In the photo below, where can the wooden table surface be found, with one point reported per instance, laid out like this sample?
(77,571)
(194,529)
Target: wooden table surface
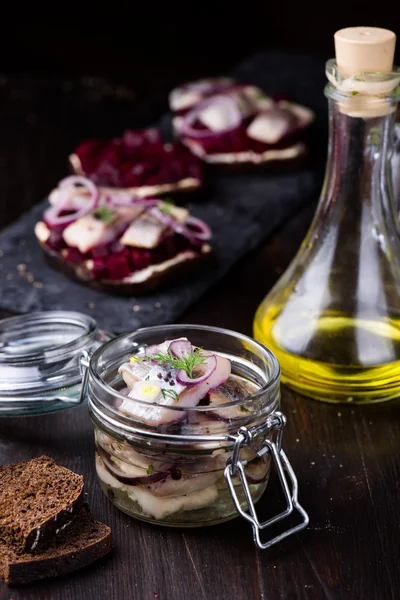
(346,458)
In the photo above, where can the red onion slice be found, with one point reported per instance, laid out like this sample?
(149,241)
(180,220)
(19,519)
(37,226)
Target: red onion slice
(140,479)
(192,395)
(257,470)
(166,219)
(207,369)
(52,216)
(129,200)
(180,348)
(202,230)
(209,85)
(78,180)
(153,349)
(226,102)
(189,94)
(201,233)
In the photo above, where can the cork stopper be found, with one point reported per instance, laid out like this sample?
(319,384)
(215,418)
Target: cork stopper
(364,49)
(364,63)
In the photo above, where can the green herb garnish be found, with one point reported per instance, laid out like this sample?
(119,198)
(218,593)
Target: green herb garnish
(150,469)
(103,213)
(244,409)
(169,394)
(166,206)
(354,93)
(187,363)
(119,445)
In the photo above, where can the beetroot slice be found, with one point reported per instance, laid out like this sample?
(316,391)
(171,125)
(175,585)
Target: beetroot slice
(140,259)
(56,240)
(100,270)
(139,158)
(117,262)
(73,255)
(118,266)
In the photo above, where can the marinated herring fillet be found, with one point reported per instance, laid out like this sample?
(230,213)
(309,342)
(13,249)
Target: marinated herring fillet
(169,385)
(155,506)
(37,499)
(187,95)
(83,542)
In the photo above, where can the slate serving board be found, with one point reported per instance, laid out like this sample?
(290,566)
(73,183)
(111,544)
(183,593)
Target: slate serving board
(241,210)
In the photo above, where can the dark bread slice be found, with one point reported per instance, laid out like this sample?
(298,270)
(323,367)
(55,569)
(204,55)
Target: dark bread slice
(273,167)
(83,542)
(253,162)
(37,499)
(190,264)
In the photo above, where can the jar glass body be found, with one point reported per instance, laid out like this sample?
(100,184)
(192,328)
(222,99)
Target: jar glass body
(174,474)
(40,360)
(333,318)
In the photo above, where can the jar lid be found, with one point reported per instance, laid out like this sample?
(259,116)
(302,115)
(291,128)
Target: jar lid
(40,360)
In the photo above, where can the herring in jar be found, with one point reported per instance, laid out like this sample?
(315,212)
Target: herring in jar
(182,415)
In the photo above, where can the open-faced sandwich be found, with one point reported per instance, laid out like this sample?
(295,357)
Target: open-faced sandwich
(119,243)
(138,163)
(238,125)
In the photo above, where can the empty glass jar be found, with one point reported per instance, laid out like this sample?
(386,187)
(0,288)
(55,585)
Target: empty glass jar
(40,360)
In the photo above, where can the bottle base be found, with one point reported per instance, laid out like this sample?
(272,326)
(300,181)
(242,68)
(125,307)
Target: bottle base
(331,370)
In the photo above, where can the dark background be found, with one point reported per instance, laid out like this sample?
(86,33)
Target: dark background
(76,70)
(146,41)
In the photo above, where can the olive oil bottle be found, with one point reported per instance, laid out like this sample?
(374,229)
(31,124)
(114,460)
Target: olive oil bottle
(333,318)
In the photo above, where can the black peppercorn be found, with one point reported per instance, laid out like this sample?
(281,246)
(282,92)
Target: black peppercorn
(176,474)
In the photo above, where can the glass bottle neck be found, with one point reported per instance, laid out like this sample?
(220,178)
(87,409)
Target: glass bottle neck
(358,169)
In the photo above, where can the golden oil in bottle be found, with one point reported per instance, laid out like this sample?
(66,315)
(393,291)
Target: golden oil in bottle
(337,358)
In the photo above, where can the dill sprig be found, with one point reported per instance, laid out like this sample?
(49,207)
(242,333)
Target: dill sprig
(104,213)
(169,394)
(166,206)
(187,363)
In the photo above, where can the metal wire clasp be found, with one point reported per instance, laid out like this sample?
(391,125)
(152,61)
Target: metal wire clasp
(84,369)
(236,467)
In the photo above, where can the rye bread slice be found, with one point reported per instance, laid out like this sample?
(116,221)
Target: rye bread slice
(37,499)
(82,542)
